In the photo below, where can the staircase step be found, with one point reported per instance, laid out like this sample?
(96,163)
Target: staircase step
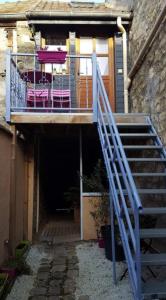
(153,210)
(144,159)
(155,259)
(147,191)
(138,135)
(148,174)
(134,125)
(141,147)
(136,118)
(153,233)
(145,174)
(154,288)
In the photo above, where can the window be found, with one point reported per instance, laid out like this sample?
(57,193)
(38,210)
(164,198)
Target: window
(56,68)
(88,45)
(103,65)
(85,66)
(101,46)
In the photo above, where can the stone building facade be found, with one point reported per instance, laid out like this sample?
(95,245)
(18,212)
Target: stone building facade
(147,90)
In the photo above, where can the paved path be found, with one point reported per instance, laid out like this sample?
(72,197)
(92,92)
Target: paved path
(60,231)
(56,277)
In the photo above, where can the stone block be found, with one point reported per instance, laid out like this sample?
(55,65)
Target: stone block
(43,276)
(57,275)
(54,291)
(58,268)
(69,286)
(55,282)
(38,291)
(72,274)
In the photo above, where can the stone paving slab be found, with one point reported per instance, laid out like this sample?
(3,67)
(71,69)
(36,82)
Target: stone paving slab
(56,278)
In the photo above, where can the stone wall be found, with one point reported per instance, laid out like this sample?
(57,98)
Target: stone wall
(147,93)
(3,47)
(24,38)
(145,13)
(18,39)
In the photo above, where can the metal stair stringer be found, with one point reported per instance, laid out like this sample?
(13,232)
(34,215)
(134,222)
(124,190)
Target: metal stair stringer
(116,162)
(146,157)
(129,149)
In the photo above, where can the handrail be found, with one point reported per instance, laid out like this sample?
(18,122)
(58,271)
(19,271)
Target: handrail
(115,160)
(34,54)
(28,73)
(120,146)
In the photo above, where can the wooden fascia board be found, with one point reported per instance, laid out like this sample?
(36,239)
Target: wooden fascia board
(75,22)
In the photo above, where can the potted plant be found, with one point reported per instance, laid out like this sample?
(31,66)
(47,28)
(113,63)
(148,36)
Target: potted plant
(51,56)
(72,197)
(3,283)
(97,182)
(11,271)
(21,248)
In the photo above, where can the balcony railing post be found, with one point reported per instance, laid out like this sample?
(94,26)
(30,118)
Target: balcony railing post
(94,78)
(8,84)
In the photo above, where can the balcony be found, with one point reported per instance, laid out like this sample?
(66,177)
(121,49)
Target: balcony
(49,90)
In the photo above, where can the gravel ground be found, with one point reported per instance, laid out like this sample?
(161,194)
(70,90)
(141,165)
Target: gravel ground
(24,283)
(21,288)
(95,275)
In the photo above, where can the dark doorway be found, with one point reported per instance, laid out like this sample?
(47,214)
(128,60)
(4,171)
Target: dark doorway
(59,169)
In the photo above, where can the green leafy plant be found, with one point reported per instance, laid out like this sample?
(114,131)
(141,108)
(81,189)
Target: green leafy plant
(19,264)
(97,182)
(72,197)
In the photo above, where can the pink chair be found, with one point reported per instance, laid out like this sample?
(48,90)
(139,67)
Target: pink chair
(37,98)
(60,98)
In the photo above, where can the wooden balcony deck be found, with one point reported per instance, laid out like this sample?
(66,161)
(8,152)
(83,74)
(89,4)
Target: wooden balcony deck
(52,118)
(71,118)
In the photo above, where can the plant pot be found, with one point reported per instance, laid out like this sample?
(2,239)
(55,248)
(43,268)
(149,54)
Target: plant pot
(12,272)
(77,215)
(119,253)
(57,57)
(100,239)
(101,242)
(3,283)
(21,249)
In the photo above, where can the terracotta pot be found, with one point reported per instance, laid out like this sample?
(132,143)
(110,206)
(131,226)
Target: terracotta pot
(77,215)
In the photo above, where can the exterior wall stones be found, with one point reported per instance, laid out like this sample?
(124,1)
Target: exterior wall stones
(18,40)
(147,93)
(145,14)
(5,159)
(24,35)
(3,47)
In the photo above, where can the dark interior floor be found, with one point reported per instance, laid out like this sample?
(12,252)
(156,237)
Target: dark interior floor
(60,228)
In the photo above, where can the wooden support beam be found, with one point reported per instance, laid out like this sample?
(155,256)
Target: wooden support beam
(12,221)
(25,211)
(30,192)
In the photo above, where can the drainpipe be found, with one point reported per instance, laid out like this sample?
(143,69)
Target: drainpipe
(125,77)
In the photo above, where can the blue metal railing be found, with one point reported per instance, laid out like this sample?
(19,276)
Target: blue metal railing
(27,80)
(120,179)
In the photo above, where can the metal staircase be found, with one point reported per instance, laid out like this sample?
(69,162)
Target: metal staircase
(135,160)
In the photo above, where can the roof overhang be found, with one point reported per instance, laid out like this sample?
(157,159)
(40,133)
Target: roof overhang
(12,17)
(86,15)
(69,17)
(75,22)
